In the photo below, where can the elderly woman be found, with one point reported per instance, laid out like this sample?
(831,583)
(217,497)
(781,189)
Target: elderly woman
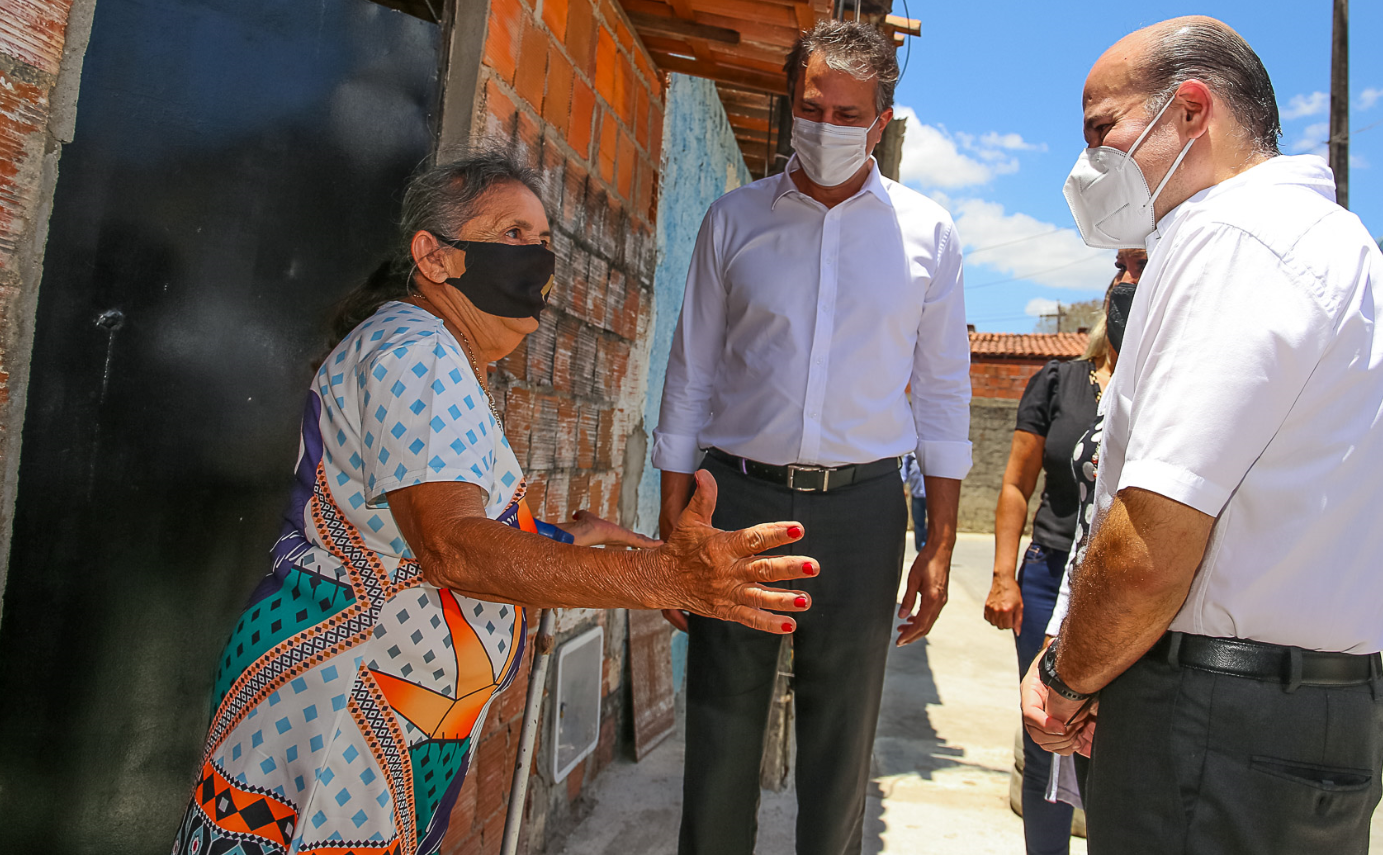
(347,703)
(1057,408)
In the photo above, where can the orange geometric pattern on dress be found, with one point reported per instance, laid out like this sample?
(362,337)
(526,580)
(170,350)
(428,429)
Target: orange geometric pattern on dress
(442,716)
(392,758)
(232,808)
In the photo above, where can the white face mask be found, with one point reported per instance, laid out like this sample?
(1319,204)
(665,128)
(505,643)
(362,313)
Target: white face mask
(830,154)
(1109,196)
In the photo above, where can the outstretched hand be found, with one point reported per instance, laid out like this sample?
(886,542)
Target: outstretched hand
(720,574)
(587,529)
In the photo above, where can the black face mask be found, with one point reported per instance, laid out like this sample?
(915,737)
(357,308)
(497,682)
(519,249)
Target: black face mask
(1116,317)
(509,280)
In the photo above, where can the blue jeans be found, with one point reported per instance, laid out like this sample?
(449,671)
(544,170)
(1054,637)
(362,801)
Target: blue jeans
(919,521)
(1046,826)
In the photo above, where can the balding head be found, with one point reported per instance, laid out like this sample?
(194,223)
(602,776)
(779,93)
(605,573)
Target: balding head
(1157,59)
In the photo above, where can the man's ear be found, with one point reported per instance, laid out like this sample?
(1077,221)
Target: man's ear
(1194,108)
(424,248)
(879,124)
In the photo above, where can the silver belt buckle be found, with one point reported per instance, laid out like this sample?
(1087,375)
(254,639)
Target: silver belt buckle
(793,469)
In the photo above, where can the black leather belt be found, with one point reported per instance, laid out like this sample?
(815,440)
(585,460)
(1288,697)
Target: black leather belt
(808,479)
(1257,660)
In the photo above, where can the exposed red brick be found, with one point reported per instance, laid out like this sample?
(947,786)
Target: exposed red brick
(557,99)
(655,133)
(540,345)
(579,131)
(624,90)
(555,16)
(628,161)
(532,70)
(605,439)
(607,60)
(492,771)
(579,491)
(561,357)
(640,123)
(588,424)
(581,29)
(542,452)
(558,490)
(647,73)
(507,19)
(518,421)
(609,147)
(574,781)
(498,103)
(34,31)
(566,433)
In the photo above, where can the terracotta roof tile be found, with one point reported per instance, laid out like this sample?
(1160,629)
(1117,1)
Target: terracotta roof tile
(1044,345)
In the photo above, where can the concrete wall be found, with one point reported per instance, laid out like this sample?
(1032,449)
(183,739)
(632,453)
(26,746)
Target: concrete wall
(568,83)
(41,47)
(701,162)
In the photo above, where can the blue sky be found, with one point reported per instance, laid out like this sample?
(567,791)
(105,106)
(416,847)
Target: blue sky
(992,96)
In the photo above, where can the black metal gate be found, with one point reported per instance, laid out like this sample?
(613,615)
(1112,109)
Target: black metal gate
(235,170)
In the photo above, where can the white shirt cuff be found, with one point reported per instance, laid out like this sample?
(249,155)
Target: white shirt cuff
(1176,483)
(944,459)
(674,453)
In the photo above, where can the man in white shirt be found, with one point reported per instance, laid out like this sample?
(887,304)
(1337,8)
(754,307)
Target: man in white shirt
(814,298)
(1229,610)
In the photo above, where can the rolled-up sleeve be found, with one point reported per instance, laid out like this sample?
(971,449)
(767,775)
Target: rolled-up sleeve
(941,370)
(696,348)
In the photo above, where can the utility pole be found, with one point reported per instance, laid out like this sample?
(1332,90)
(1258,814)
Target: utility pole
(1339,102)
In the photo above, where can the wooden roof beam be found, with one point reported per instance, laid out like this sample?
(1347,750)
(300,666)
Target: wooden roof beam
(659,25)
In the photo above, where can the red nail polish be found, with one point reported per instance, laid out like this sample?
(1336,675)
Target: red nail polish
(800,602)
(809,569)
(787,627)
(794,531)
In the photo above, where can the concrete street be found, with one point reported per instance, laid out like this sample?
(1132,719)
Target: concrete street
(941,758)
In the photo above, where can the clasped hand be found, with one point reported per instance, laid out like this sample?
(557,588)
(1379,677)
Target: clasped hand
(1055,723)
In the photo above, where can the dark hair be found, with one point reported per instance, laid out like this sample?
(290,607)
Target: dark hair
(1208,51)
(440,199)
(858,49)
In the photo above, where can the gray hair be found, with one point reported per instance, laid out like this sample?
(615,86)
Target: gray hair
(1206,50)
(858,49)
(441,199)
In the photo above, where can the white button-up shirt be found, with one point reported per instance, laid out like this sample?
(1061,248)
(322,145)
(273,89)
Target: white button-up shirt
(1250,387)
(802,326)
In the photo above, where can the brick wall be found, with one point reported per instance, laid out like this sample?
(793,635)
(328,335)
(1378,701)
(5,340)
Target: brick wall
(1001,377)
(41,46)
(569,84)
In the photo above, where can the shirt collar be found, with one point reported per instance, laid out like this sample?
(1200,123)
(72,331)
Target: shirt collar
(873,184)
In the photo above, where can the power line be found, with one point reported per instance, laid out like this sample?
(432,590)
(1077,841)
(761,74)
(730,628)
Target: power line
(1030,275)
(1051,231)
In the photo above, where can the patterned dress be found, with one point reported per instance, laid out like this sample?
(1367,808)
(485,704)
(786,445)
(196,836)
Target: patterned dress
(348,700)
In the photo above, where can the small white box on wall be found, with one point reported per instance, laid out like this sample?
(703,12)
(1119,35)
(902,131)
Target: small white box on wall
(576,704)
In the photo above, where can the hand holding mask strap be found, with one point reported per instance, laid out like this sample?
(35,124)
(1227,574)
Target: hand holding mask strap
(508,280)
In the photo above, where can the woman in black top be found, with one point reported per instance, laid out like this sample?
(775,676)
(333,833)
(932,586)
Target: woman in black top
(1058,407)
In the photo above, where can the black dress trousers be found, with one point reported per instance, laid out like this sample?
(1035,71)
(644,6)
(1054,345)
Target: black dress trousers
(839,652)
(1192,762)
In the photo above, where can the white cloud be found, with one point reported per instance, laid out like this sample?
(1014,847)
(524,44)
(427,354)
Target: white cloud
(936,157)
(1301,106)
(1312,139)
(1020,246)
(1369,97)
(1039,306)
(1013,142)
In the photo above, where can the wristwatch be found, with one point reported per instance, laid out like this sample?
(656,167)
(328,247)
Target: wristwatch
(1046,672)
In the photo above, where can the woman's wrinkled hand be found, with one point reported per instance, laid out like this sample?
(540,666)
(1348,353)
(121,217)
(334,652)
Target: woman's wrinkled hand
(587,529)
(1004,605)
(721,574)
